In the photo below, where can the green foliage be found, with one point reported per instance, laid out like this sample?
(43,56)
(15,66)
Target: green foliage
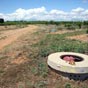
(58,43)
(40,69)
(87,31)
(14,22)
(34,70)
(71,25)
(1,20)
(40,84)
(1,71)
(68,85)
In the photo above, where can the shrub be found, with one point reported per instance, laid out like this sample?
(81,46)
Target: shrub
(87,31)
(70,27)
(58,43)
(68,85)
(40,84)
(42,69)
(1,20)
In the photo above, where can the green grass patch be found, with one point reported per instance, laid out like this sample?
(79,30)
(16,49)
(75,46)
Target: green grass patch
(58,43)
(40,69)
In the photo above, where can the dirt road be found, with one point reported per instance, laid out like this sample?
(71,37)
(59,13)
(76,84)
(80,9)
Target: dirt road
(12,35)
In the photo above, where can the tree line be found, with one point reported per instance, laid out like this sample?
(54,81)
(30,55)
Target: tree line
(68,24)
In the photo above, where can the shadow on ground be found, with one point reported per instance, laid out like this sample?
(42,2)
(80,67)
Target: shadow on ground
(76,77)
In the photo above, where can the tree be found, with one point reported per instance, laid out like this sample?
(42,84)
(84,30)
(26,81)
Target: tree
(87,31)
(1,20)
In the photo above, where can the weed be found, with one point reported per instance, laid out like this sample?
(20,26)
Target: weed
(42,69)
(68,85)
(1,71)
(40,84)
(21,85)
(57,43)
(34,70)
(87,31)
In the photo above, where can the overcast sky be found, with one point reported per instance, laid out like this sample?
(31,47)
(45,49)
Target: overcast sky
(44,10)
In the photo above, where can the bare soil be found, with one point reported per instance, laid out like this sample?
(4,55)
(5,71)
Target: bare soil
(83,37)
(61,32)
(12,35)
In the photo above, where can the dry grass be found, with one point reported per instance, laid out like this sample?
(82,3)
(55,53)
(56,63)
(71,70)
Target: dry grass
(83,37)
(21,66)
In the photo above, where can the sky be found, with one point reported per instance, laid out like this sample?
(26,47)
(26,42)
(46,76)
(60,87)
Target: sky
(59,10)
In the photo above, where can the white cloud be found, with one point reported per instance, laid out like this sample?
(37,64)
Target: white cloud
(58,12)
(1,15)
(42,14)
(77,10)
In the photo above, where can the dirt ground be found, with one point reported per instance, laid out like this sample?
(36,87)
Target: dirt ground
(83,37)
(19,62)
(62,32)
(7,37)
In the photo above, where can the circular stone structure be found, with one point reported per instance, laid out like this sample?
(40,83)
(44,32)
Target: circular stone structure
(57,62)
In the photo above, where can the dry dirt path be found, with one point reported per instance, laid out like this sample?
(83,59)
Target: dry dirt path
(12,35)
